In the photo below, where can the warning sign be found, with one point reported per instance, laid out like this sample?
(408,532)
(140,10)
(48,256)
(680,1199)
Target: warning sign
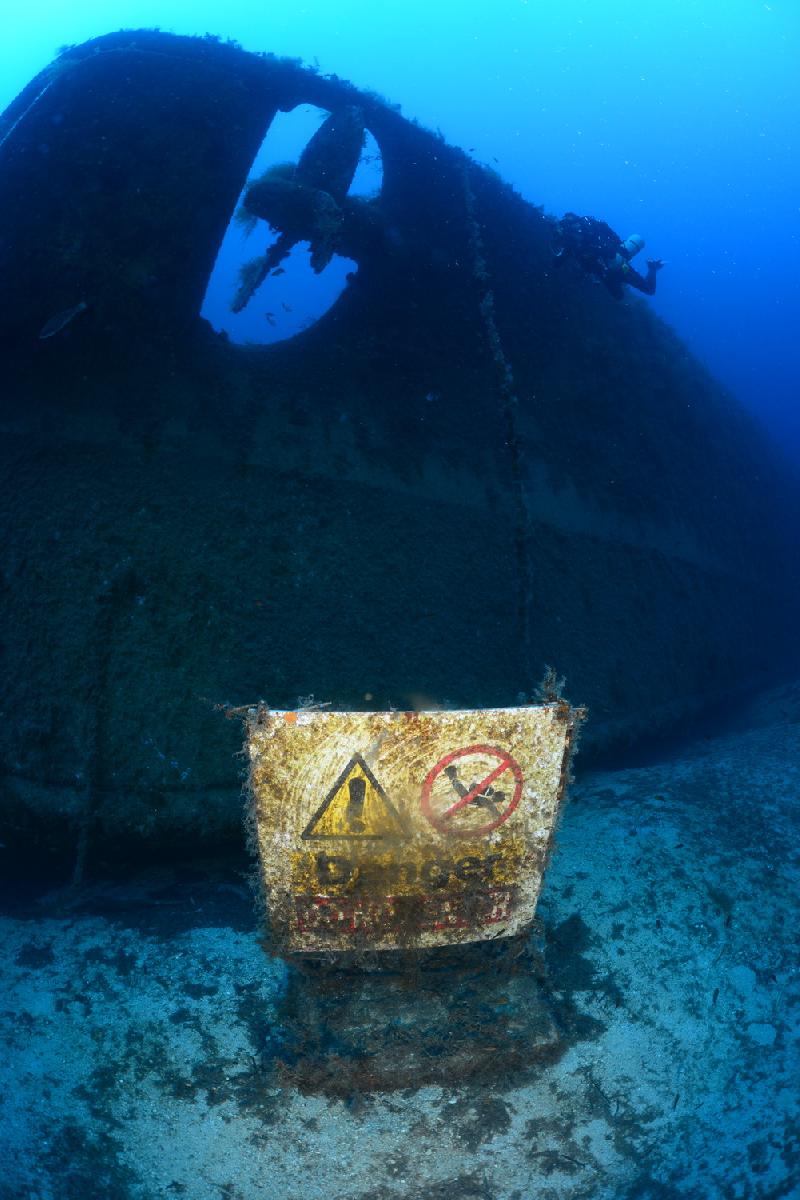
(387,830)
(460,809)
(355,807)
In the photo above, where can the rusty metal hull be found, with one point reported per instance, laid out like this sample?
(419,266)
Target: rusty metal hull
(470,467)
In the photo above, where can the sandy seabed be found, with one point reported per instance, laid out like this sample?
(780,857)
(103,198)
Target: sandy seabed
(644,1046)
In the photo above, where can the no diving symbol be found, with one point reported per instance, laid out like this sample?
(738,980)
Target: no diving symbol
(469,785)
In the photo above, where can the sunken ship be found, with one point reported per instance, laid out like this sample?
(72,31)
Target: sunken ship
(470,468)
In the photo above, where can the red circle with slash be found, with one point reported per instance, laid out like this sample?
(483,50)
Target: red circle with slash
(476,792)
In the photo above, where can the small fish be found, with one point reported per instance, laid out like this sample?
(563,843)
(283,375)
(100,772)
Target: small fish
(57,323)
(286,307)
(280,271)
(271,318)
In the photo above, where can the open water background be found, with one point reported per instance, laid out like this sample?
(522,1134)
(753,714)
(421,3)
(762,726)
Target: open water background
(677,119)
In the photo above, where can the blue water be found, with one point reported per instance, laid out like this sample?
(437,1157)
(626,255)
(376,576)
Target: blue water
(150,1047)
(677,119)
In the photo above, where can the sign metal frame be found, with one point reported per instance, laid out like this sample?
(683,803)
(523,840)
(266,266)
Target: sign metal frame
(405,830)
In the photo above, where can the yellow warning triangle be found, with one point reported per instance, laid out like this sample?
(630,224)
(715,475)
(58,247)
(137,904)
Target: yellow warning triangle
(356,807)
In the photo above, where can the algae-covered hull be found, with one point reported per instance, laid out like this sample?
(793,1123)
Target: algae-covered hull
(469,468)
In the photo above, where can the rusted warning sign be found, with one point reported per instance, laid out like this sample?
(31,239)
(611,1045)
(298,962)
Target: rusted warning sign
(388,830)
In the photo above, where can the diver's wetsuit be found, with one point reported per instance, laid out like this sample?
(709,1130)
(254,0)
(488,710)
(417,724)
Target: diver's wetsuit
(618,274)
(600,252)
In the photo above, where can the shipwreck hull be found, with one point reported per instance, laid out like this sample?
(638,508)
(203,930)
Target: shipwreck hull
(470,467)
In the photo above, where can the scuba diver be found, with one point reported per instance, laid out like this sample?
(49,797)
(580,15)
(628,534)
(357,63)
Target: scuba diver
(601,253)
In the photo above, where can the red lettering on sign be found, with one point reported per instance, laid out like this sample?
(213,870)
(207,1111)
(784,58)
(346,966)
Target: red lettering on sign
(431,914)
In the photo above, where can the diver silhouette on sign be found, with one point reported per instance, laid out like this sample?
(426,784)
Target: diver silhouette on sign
(491,798)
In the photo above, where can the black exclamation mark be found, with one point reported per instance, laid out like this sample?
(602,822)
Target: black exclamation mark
(355,806)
